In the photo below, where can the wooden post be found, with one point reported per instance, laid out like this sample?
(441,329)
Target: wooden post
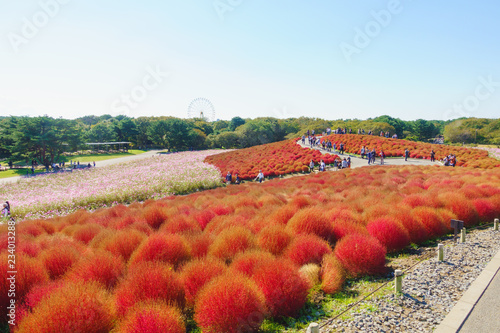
(462,235)
(495,225)
(440,252)
(398,281)
(313,328)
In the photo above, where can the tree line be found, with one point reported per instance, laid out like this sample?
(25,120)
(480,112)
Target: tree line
(45,138)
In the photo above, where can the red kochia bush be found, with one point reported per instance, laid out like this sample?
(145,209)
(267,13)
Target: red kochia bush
(333,274)
(230,303)
(197,273)
(430,220)
(230,242)
(247,262)
(155,215)
(152,317)
(485,209)
(124,242)
(305,249)
(283,286)
(99,266)
(311,221)
(149,281)
(87,232)
(41,291)
(360,255)
(80,307)
(172,249)
(274,239)
(30,272)
(389,233)
(58,260)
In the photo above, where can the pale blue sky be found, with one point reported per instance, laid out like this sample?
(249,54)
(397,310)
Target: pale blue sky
(431,60)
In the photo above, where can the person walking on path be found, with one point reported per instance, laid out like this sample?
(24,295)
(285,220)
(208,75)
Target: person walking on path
(363,152)
(237,181)
(433,156)
(260,176)
(407,154)
(369,157)
(228,178)
(374,155)
(311,166)
(382,157)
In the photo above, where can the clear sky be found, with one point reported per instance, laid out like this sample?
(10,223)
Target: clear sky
(330,59)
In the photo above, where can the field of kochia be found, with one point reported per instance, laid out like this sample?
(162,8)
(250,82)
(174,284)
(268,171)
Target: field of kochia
(226,259)
(467,157)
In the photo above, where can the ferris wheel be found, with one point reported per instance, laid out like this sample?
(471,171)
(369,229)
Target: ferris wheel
(201,108)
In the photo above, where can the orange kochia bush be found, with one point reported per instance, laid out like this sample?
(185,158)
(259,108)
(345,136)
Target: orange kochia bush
(180,253)
(274,159)
(468,157)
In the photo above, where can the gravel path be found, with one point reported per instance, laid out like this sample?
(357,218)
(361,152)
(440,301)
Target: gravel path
(430,290)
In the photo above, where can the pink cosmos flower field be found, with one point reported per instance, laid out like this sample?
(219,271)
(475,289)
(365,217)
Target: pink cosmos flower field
(139,180)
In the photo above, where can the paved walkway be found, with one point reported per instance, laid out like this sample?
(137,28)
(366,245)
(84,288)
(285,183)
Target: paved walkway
(478,310)
(98,164)
(357,162)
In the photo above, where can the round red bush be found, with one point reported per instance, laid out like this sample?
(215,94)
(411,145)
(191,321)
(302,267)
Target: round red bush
(247,262)
(389,233)
(99,266)
(274,239)
(152,317)
(197,273)
(169,248)
(361,255)
(230,303)
(284,288)
(149,281)
(305,249)
(311,220)
(230,242)
(80,307)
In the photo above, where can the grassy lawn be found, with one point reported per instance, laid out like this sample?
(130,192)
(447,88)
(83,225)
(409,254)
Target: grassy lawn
(76,158)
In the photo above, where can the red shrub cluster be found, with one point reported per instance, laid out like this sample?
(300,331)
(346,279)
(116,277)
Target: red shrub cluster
(149,281)
(361,255)
(172,249)
(389,233)
(230,303)
(152,317)
(231,253)
(80,307)
(283,286)
(305,249)
(197,273)
(274,159)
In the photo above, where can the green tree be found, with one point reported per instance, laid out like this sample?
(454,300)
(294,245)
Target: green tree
(235,123)
(103,131)
(43,138)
